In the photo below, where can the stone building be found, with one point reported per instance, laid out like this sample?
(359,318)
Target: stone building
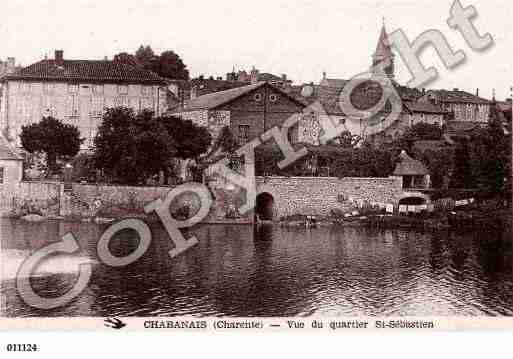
(249,110)
(255,76)
(413,173)
(76,92)
(11,165)
(459,105)
(324,100)
(8,67)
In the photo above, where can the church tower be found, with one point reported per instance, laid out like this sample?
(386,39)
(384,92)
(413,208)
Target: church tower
(384,53)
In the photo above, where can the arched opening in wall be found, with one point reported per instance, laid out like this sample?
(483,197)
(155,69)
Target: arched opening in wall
(264,206)
(412,201)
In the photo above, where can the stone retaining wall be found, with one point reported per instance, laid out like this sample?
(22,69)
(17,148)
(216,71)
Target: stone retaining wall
(319,195)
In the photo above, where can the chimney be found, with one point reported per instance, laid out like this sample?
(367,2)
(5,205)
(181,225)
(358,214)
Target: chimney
(254,76)
(455,89)
(10,65)
(324,75)
(106,58)
(59,57)
(284,77)
(423,91)
(219,78)
(194,92)
(477,91)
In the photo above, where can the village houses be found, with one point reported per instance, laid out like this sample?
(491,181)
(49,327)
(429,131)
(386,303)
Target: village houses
(76,92)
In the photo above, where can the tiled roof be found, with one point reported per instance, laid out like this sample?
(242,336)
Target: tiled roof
(459,127)
(424,107)
(6,152)
(407,166)
(436,145)
(407,93)
(216,99)
(338,83)
(86,70)
(265,76)
(458,96)
(206,86)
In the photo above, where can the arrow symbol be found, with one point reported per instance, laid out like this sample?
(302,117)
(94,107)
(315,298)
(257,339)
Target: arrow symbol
(114,323)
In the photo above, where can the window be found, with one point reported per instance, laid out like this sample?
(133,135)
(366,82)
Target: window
(243,134)
(146,90)
(121,101)
(48,87)
(96,106)
(408,181)
(273,97)
(123,89)
(72,88)
(293,134)
(97,89)
(1,175)
(146,104)
(73,106)
(258,97)
(25,87)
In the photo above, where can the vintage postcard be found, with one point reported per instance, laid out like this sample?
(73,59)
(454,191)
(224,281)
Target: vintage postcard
(279,166)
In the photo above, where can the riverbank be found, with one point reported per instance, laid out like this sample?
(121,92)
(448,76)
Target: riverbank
(465,219)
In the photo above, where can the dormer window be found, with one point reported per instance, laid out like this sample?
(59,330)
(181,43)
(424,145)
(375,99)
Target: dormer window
(258,97)
(273,97)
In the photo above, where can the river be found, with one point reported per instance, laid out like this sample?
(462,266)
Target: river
(236,270)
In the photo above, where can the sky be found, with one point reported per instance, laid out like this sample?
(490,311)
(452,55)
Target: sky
(299,38)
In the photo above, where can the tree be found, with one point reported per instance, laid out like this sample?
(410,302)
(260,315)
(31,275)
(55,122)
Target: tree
(490,155)
(131,148)
(126,58)
(462,171)
(145,57)
(439,163)
(418,132)
(189,139)
(346,140)
(57,140)
(170,65)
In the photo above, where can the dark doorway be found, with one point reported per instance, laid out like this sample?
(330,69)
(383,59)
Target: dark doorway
(264,206)
(412,201)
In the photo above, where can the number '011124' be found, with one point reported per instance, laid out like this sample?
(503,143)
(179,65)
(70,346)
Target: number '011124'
(22,347)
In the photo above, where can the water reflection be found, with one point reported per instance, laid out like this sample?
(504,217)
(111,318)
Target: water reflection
(242,270)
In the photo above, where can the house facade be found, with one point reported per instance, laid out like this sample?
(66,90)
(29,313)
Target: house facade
(11,165)
(459,105)
(76,92)
(325,100)
(248,111)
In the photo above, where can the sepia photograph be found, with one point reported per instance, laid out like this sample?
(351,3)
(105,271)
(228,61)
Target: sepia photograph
(225,165)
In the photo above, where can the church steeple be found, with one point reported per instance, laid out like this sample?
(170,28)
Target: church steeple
(384,53)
